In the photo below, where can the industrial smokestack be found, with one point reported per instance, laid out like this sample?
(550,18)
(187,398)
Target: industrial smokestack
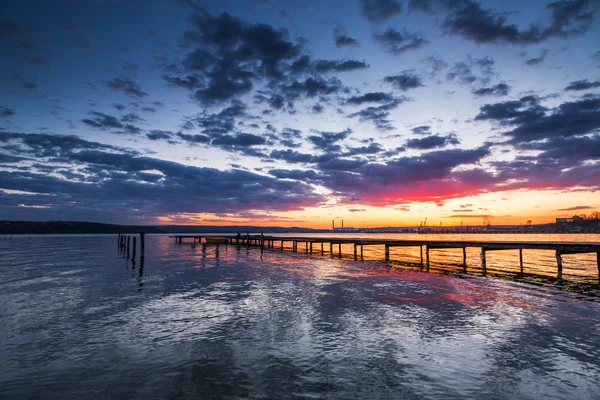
(342,224)
(333,224)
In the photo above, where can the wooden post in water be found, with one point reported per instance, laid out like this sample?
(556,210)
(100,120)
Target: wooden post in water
(427,257)
(118,240)
(464,258)
(340,250)
(421,254)
(134,247)
(521,259)
(483,262)
(306,247)
(361,252)
(598,262)
(282,245)
(311,248)
(387,252)
(355,257)
(128,244)
(330,249)
(142,245)
(322,252)
(559,264)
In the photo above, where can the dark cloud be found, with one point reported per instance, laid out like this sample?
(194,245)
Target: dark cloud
(501,89)
(132,117)
(373,97)
(118,106)
(472,70)
(534,122)
(404,81)
(432,142)
(468,19)
(318,108)
(239,139)
(422,130)
(324,66)
(513,112)
(223,122)
(342,40)
(537,60)
(430,176)
(328,141)
(576,208)
(157,134)
(102,121)
(111,171)
(380,10)
(379,115)
(373,148)
(127,86)
(232,55)
(194,139)
(396,42)
(305,65)
(6,112)
(583,84)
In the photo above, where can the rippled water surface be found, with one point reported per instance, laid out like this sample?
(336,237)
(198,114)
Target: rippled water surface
(78,320)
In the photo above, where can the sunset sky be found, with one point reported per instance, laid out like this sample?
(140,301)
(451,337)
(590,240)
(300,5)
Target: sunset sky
(295,113)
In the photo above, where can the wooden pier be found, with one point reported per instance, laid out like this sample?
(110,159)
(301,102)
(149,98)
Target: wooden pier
(559,248)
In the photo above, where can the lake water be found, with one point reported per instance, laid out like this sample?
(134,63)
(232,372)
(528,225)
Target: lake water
(78,320)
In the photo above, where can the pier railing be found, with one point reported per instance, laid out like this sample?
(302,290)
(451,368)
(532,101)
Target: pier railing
(263,241)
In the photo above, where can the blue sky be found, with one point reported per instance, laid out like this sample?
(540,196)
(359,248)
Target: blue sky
(297,112)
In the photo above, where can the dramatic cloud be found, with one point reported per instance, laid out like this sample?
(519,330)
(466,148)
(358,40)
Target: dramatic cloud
(583,84)
(373,97)
(501,89)
(380,10)
(404,81)
(537,60)
(379,115)
(171,188)
(533,122)
(108,122)
(327,141)
(468,19)
(397,42)
(127,86)
(472,70)
(342,40)
(432,142)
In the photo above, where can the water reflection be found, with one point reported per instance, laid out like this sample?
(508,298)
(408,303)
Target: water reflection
(194,321)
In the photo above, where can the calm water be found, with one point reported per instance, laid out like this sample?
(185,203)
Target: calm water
(79,321)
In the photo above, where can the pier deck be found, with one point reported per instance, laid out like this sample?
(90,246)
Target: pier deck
(560,248)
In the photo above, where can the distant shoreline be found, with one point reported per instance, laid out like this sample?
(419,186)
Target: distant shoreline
(85,228)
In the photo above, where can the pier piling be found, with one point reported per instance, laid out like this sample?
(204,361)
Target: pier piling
(559,264)
(483,262)
(427,257)
(142,245)
(521,260)
(387,252)
(134,248)
(128,244)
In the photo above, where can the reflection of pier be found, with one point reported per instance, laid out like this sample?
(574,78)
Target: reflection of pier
(560,248)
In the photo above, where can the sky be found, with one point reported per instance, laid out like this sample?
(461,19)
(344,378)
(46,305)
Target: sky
(297,113)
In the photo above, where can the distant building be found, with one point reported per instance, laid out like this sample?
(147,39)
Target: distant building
(564,220)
